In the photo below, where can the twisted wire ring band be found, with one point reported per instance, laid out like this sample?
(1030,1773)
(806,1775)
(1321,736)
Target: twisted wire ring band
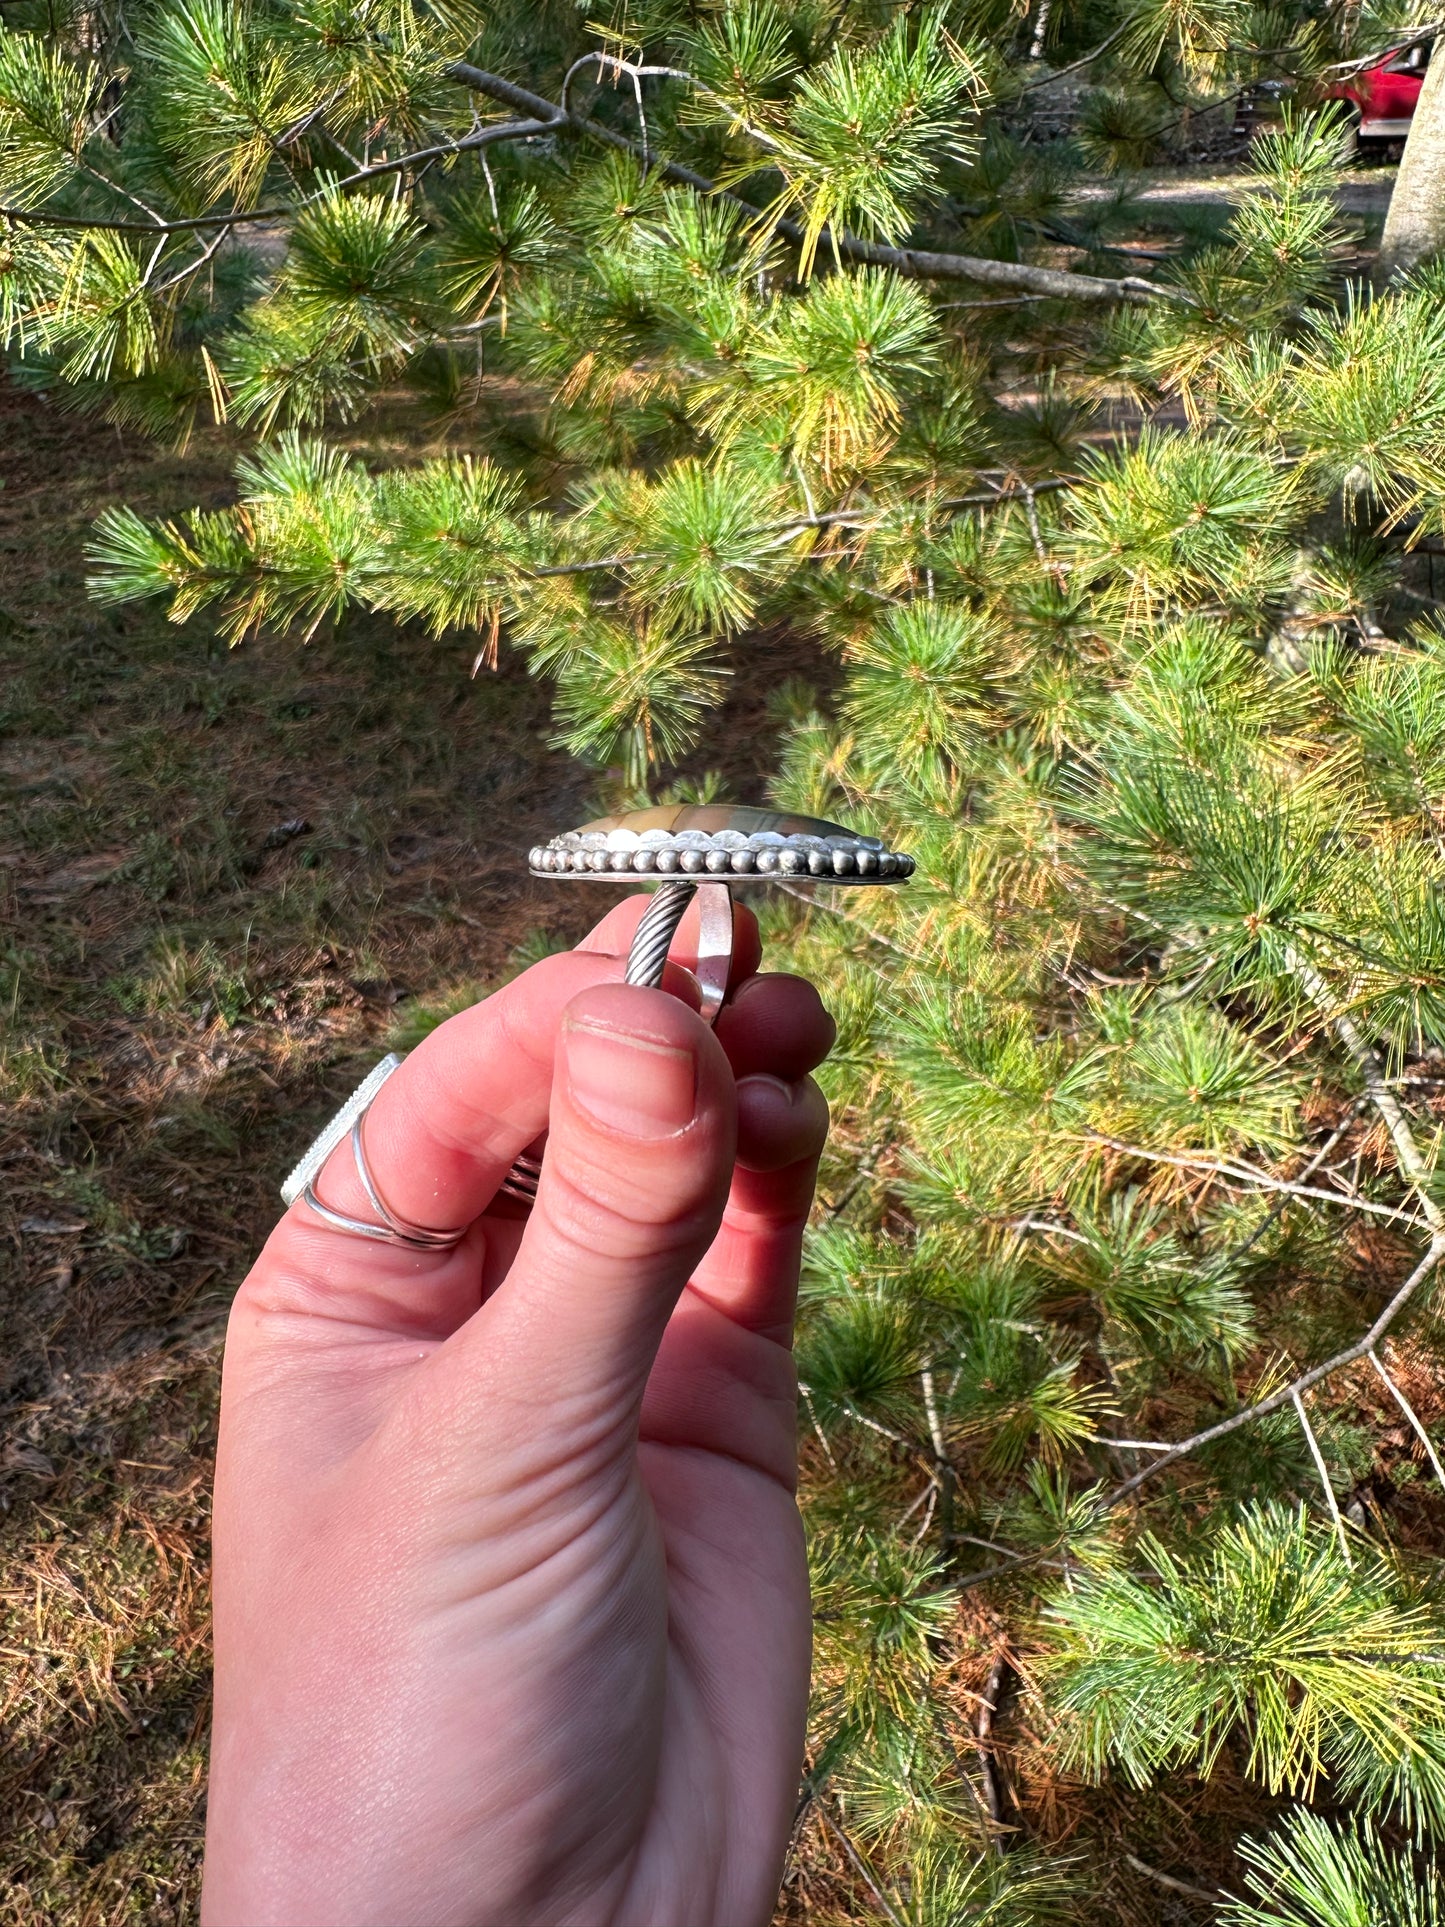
(520,1183)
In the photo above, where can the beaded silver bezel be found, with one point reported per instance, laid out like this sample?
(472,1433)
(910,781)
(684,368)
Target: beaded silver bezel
(718,856)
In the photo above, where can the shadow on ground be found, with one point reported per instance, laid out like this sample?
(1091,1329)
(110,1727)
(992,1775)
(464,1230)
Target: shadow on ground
(224,877)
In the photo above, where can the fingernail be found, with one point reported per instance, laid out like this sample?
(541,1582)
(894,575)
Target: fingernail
(629,1083)
(790,1092)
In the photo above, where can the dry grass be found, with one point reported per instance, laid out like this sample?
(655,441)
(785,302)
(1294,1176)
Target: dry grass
(223,877)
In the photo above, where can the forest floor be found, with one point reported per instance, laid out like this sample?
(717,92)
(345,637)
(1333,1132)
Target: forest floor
(227,880)
(1362,190)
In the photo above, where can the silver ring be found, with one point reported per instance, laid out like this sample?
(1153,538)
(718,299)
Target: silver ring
(714,849)
(520,1183)
(646,962)
(309,1165)
(393,1230)
(647,959)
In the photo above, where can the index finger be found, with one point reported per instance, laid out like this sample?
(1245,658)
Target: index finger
(443,1130)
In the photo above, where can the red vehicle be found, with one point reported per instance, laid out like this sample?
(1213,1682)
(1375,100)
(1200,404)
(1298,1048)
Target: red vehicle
(1385,94)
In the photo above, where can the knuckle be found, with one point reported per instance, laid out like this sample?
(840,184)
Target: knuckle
(619,1217)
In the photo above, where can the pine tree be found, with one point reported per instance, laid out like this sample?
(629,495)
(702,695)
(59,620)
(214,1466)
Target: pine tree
(727,317)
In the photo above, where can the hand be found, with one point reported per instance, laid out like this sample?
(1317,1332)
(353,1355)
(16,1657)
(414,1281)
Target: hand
(512,1617)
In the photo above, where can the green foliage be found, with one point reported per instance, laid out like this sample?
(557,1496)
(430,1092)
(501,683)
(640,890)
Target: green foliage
(487,250)
(829,371)
(47,99)
(227,95)
(1115,623)
(1322,1668)
(867,131)
(1120,128)
(950,1889)
(1312,1874)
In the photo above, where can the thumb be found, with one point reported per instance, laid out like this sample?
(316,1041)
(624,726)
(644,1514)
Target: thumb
(639,1158)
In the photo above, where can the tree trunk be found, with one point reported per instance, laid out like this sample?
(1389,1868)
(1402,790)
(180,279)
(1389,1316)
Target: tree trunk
(1415,224)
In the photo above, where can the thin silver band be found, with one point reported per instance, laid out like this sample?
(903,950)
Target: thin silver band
(520,1183)
(393,1230)
(422,1235)
(714,947)
(646,962)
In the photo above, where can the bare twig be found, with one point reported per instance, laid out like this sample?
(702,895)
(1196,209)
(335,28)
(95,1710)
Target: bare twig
(1229,1171)
(942,1465)
(983,1728)
(1410,1413)
(1408,1152)
(926,1491)
(1049,1228)
(638,74)
(859,1865)
(1035,531)
(1376,1083)
(193,267)
(822,1436)
(1209,1894)
(1084,60)
(1323,1470)
(867,1167)
(992,1545)
(1360,1349)
(929,1508)
(1399,46)
(883,1431)
(969,1580)
(1276,1210)
(833,910)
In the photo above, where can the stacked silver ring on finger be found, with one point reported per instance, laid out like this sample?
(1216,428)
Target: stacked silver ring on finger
(392,1228)
(702,850)
(520,1183)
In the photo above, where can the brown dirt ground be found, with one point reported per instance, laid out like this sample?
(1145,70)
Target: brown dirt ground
(225,878)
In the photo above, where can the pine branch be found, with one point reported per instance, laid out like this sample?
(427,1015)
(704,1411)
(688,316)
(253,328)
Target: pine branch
(378,170)
(1250,1174)
(1376,1083)
(1211,1895)
(1084,60)
(920,263)
(1314,1376)
(549,117)
(1395,45)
